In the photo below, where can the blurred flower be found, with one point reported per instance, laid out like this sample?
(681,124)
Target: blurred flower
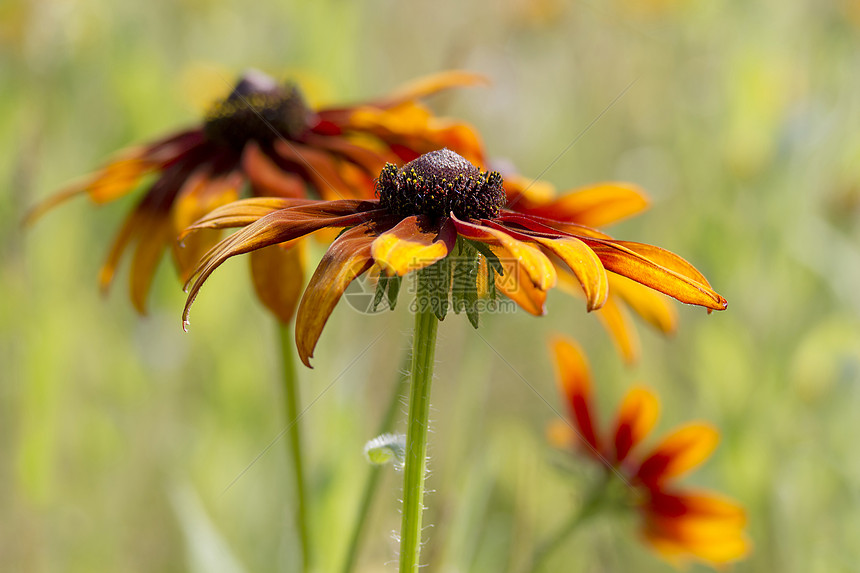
(422,210)
(598,205)
(263,134)
(678,523)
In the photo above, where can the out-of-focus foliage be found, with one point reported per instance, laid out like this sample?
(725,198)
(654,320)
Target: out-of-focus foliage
(125,442)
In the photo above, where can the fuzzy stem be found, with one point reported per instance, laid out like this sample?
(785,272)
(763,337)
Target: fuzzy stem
(372,483)
(294,442)
(414,471)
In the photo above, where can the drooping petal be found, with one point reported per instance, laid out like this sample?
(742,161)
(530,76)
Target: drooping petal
(548,227)
(278,275)
(593,206)
(678,453)
(267,177)
(585,266)
(658,269)
(637,415)
(347,258)
(535,264)
(574,379)
(699,525)
(413,244)
(651,306)
(279,227)
(155,236)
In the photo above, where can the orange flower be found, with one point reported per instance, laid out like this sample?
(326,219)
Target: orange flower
(265,135)
(599,205)
(423,209)
(678,523)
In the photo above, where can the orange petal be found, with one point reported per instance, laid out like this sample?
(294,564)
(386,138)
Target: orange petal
(594,206)
(661,270)
(636,418)
(347,257)
(680,452)
(364,153)
(278,275)
(155,236)
(574,379)
(654,308)
(432,84)
(621,329)
(585,265)
(413,244)
(696,524)
(535,264)
(267,178)
(522,191)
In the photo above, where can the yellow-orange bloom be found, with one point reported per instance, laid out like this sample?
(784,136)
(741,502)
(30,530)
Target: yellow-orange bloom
(423,209)
(262,140)
(678,523)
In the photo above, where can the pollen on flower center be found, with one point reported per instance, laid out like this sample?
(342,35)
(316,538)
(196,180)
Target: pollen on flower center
(259,109)
(439,183)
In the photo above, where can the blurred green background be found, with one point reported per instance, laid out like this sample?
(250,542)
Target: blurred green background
(120,437)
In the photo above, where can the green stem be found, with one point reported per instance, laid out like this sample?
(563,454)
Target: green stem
(372,483)
(588,509)
(294,441)
(414,471)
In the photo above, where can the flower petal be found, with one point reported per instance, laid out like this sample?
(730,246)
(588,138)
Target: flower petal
(243,212)
(517,286)
(535,264)
(652,307)
(593,206)
(585,265)
(347,258)
(637,415)
(658,269)
(321,169)
(695,524)
(413,244)
(680,452)
(574,380)
(278,273)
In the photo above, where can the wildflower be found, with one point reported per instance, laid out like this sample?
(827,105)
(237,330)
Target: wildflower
(677,522)
(598,205)
(263,134)
(425,210)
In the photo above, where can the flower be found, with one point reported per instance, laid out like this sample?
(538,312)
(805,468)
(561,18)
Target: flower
(423,211)
(598,205)
(678,523)
(265,135)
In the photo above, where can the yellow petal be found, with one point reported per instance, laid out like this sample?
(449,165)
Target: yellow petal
(412,245)
(596,205)
(432,84)
(651,306)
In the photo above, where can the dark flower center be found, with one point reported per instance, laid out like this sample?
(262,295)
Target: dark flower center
(439,183)
(258,109)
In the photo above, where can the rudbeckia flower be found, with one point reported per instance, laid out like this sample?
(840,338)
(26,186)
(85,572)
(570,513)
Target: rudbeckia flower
(262,140)
(599,205)
(679,523)
(435,206)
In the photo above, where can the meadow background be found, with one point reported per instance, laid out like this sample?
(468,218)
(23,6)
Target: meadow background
(120,437)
